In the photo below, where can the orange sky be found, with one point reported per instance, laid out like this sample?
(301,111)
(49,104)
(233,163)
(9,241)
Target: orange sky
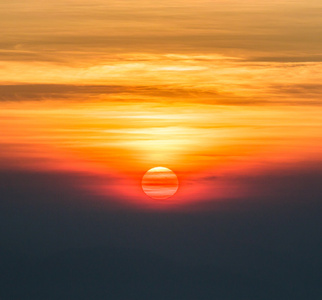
(209,89)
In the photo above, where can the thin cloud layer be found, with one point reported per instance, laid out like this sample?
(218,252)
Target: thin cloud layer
(181,26)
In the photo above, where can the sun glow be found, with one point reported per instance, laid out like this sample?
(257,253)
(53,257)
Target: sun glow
(199,141)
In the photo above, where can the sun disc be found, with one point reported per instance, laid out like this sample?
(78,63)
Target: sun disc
(160,183)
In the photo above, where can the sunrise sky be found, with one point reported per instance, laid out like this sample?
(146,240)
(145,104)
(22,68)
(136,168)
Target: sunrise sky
(213,90)
(225,93)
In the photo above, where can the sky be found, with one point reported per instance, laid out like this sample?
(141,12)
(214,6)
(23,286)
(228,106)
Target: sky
(226,94)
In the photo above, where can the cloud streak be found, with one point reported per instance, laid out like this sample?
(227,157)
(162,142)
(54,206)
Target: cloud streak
(277,94)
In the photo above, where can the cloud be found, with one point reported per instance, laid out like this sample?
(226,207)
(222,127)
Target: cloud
(49,189)
(21,92)
(30,92)
(293,184)
(209,27)
(308,91)
(278,94)
(287,58)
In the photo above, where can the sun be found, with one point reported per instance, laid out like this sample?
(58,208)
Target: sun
(160,183)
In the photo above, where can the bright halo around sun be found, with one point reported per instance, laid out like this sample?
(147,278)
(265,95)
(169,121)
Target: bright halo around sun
(160,183)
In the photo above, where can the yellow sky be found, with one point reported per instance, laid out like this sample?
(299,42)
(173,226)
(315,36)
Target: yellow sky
(206,88)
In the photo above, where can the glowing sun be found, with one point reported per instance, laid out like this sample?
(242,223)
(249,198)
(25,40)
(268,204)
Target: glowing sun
(160,183)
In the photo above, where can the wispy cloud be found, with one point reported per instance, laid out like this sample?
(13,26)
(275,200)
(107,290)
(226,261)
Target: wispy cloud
(171,26)
(277,94)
